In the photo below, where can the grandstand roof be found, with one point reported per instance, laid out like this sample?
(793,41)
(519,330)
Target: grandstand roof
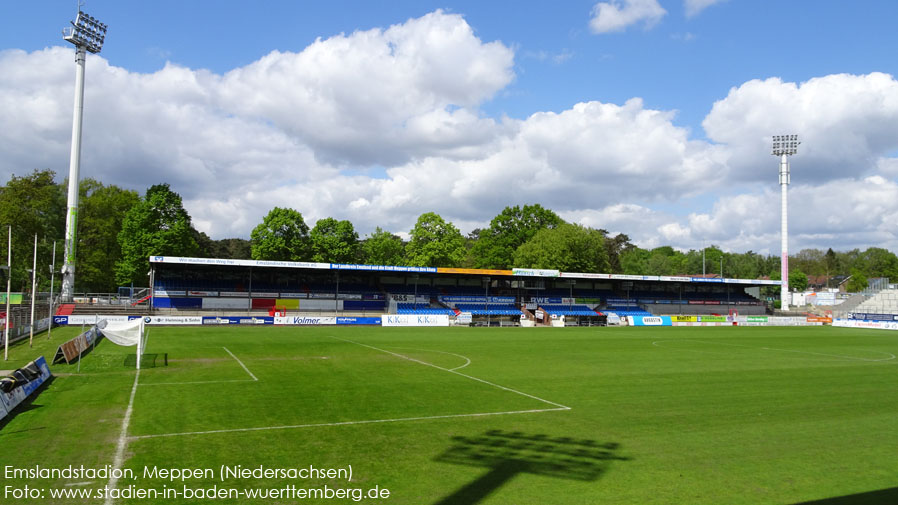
(515,272)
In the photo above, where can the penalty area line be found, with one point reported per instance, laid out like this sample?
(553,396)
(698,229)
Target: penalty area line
(241,364)
(560,406)
(345,423)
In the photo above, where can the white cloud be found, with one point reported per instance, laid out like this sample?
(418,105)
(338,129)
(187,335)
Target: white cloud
(617,15)
(844,122)
(693,7)
(306,130)
(379,96)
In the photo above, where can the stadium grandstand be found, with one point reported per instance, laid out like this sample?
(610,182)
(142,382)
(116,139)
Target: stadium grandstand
(220,286)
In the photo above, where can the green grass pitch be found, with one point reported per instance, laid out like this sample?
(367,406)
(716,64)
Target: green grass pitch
(473,415)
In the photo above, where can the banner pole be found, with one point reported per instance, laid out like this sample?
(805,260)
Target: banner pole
(8,286)
(33,290)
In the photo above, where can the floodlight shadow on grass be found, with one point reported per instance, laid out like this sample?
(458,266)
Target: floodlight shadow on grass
(882,496)
(508,454)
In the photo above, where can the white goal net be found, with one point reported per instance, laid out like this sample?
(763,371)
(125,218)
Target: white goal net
(126,334)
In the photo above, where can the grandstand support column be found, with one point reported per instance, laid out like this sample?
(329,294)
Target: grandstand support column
(784,146)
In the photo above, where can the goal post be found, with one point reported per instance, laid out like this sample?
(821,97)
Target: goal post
(126,333)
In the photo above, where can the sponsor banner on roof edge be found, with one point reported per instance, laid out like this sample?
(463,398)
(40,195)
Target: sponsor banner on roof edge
(232,262)
(475,299)
(472,271)
(382,268)
(415,320)
(650,321)
(535,272)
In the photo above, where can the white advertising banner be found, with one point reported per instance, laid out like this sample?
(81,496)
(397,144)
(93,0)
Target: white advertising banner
(859,323)
(93,319)
(305,320)
(173,320)
(414,320)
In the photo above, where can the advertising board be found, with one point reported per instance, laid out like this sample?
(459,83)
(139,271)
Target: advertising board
(650,321)
(857,323)
(173,320)
(415,320)
(245,320)
(358,321)
(307,320)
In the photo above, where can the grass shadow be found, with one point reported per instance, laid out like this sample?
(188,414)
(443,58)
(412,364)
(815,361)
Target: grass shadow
(879,497)
(508,454)
(26,405)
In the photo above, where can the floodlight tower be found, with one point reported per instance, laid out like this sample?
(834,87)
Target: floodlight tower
(87,34)
(785,146)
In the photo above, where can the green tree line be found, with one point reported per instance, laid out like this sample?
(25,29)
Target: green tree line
(118,230)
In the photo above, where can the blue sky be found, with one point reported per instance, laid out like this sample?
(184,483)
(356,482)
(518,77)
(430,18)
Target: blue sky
(648,81)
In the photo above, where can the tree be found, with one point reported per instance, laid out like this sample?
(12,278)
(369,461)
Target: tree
(382,248)
(495,246)
(831,263)
(100,217)
(282,235)
(879,262)
(857,282)
(435,243)
(32,205)
(615,246)
(634,261)
(569,247)
(158,225)
(665,261)
(231,248)
(334,241)
(798,281)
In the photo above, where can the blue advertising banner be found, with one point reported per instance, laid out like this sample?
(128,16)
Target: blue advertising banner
(359,320)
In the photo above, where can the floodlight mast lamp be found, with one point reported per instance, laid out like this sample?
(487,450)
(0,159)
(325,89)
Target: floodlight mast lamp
(87,34)
(785,146)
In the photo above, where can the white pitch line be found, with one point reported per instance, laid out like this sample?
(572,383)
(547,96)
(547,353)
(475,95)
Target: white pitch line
(119,458)
(196,382)
(467,359)
(241,364)
(560,406)
(346,423)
